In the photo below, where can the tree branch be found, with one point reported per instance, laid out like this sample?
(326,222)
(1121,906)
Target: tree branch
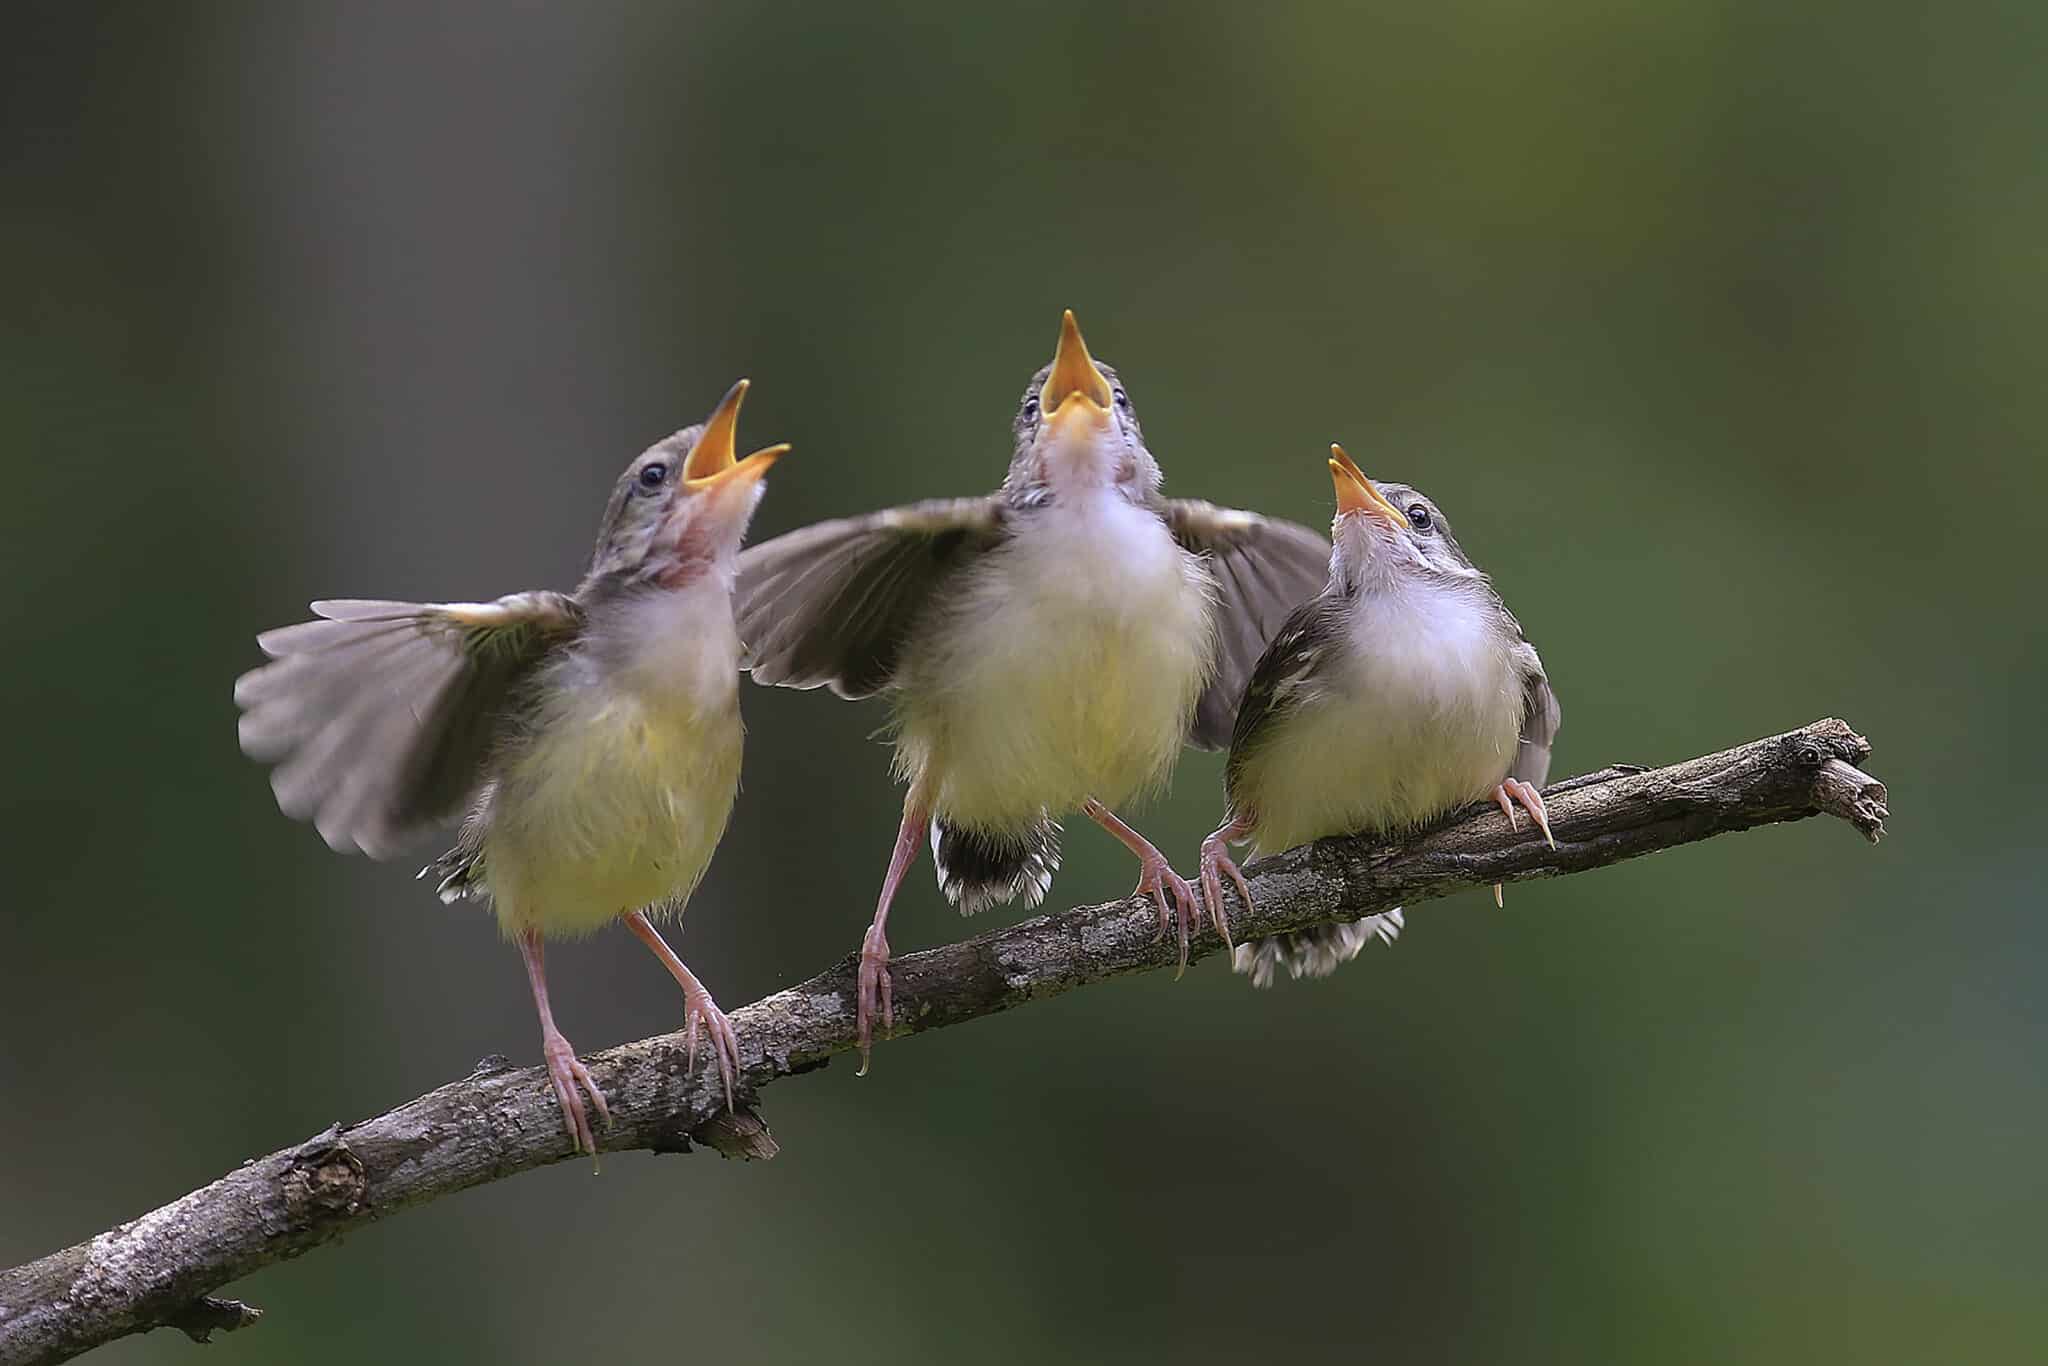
(159,1269)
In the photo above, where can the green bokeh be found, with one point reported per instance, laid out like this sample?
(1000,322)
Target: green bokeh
(1715,327)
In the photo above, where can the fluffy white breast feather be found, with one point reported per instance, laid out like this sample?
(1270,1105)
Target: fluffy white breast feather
(1420,713)
(1070,669)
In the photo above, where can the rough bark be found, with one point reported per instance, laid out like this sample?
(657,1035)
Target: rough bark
(160,1269)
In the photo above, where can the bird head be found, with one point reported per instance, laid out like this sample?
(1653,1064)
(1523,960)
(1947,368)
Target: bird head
(1076,429)
(683,504)
(1386,528)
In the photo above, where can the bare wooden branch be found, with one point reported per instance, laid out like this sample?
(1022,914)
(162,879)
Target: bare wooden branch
(161,1269)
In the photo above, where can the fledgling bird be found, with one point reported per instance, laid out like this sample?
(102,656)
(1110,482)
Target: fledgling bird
(1046,649)
(592,738)
(1402,691)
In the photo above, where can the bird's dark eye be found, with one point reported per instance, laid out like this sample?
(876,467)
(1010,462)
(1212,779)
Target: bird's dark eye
(1123,400)
(1418,517)
(652,476)
(1031,408)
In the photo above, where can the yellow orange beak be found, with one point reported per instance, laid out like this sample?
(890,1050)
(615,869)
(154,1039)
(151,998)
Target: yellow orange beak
(1356,493)
(1075,388)
(711,462)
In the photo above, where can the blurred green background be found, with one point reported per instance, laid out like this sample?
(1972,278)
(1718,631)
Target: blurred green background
(1716,327)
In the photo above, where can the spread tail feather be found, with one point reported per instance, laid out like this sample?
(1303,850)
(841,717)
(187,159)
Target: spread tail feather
(983,868)
(458,874)
(1316,952)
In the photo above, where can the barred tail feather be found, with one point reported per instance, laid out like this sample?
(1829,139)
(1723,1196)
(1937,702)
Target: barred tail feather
(1313,953)
(983,868)
(458,874)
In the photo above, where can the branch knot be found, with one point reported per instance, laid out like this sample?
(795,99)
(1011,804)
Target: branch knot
(326,1180)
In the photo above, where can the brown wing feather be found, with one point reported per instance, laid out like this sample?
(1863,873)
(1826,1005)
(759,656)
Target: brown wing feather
(832,604)
(380,715)
(1264,569)
(1541,718)
(1284,675)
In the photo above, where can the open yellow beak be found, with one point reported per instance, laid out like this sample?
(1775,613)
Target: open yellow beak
(1356,493)
(1075,388)
(711,462)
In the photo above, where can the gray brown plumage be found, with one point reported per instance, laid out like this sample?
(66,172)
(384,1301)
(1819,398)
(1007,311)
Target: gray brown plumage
(1047,648)
(1405,689)
(379,714)
(592,739)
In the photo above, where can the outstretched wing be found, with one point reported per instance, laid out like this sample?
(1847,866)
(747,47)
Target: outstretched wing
(1264,569)
(380,715)
(832,604)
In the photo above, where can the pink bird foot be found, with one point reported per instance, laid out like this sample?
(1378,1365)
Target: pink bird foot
(717,1025)
(699,1010)
(567,1073)
(1217,864)
(1513,791)
(1155,879)
(872,992)
(875,996)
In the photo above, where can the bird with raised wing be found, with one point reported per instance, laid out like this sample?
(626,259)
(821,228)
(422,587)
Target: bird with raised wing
(592,738)
(1046,649)
(1402,691)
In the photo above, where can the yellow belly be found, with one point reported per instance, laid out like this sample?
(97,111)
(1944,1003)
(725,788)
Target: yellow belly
(1421,716)
(1338,771)
(615,806)
(1068,669)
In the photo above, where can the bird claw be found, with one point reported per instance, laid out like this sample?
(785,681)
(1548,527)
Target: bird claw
(1155,878)
(1507,807)
(567,1074)
(1216,864)
(698,1010)
(874,993)
(1513,792)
